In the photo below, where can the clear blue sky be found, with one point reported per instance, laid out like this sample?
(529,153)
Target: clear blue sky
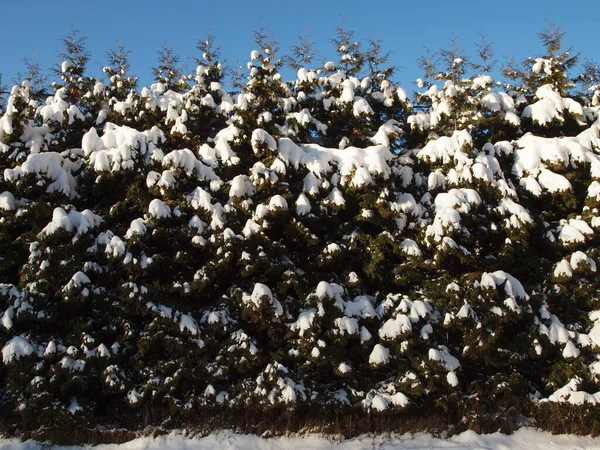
(33,27)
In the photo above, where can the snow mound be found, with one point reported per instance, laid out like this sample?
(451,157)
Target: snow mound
(73,221)
(16,348)
(355,165)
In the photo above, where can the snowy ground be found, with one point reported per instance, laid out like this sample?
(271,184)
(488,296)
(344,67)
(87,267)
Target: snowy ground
(528,439)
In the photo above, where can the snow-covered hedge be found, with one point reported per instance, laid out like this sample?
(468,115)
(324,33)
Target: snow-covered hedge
(315,241)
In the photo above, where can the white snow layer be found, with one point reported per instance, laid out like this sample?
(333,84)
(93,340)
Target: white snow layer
(551,106)
(537,159)
(260,293)
(570,393)
(50,165)
(529,438)
(16,348)
(379,355)
(120,146)
(73,221)
(355,165)
(512,287)
(159,209)
(7,201)
(574,231)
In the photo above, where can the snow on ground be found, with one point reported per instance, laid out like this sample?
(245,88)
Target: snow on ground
(525,438)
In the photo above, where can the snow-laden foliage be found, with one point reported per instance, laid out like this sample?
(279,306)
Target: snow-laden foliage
(315,241)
